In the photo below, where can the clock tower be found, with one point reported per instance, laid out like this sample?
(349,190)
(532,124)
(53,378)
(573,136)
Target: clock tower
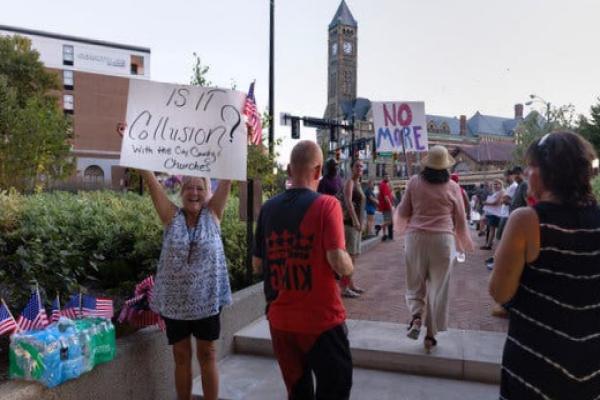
(342,61)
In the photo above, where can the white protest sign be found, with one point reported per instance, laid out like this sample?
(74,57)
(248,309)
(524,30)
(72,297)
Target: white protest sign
(400,126)
(185,130)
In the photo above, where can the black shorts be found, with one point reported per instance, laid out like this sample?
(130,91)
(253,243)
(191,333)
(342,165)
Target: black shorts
(203,329)
(493,220)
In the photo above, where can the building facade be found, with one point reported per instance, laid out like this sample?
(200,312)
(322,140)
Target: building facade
(458,134)
(95,77)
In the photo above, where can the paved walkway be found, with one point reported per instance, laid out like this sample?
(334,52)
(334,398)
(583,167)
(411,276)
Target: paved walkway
(381,272)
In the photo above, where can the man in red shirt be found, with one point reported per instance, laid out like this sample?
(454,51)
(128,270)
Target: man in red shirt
(386,204)
(300,249)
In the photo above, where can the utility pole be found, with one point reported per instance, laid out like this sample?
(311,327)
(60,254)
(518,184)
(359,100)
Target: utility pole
(272,78)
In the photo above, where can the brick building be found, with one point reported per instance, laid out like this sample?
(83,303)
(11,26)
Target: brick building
(95,76)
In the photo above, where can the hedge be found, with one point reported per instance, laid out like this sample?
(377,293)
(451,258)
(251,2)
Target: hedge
(103,242)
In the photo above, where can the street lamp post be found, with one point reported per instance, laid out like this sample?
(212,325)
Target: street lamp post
(272,78)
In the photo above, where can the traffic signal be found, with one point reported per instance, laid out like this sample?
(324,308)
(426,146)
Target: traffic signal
(332,135)
(295,128)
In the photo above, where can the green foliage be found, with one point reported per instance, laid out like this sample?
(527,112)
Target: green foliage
(596,187)
(590,128)
(199,73)
(535,126)
(34,132)
(99,240)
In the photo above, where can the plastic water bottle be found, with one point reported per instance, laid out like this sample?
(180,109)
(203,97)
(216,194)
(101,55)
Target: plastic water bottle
(460,257)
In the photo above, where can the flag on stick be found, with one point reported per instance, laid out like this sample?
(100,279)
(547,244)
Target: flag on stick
(253,117)
(55,309)
(73,307)
(97,307)
(7,322)
(34,315)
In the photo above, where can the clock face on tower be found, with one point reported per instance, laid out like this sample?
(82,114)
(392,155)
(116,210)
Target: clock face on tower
(334,49)
(347,48)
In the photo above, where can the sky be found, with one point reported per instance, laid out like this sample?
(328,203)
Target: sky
(458,56)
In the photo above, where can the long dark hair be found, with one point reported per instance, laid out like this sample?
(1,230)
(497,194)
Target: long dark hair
(435,175)
(565,163)
(331,168)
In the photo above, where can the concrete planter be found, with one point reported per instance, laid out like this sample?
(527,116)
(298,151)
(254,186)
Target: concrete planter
(143,368)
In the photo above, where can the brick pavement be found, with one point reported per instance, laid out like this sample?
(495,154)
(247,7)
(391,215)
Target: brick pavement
(380,271)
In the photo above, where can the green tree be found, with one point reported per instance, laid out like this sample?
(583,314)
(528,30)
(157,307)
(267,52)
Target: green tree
(34,132)
(199,73)
(537,124)
(590,128)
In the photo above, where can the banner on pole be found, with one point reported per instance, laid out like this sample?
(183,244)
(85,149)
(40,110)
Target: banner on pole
(400,126)
(185,130)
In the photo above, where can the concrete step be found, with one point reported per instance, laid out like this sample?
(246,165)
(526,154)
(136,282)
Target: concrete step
(460,354)
(245,377)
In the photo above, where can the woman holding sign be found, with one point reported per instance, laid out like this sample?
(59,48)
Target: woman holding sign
(192,282)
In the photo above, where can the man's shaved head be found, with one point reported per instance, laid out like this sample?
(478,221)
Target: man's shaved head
(306,156)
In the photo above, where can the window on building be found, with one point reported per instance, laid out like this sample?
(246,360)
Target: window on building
(431,127)
(68,54)
(137,65)
(68,79)
(68,105)
(93,177)
(445,128)
(379,170)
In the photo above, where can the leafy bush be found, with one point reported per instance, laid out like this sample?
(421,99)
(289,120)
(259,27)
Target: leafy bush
(104,241)
(596,187)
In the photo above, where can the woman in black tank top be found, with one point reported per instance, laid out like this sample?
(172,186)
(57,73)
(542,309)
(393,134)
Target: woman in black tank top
(547,273)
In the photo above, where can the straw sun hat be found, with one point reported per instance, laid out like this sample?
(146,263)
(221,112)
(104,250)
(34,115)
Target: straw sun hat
(438,158)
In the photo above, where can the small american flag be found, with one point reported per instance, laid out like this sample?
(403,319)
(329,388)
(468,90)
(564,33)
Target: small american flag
(97,307)
(73,307)
(7,321)
(253,117)
(34,315)
(55,309)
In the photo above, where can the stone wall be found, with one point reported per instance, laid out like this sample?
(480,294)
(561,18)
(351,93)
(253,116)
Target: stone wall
(143,367)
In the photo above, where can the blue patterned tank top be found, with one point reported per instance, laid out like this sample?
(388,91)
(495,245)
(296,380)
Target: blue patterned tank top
(192,281)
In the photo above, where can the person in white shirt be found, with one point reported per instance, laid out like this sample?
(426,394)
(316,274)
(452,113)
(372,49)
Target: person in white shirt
(492,207)
(511,187)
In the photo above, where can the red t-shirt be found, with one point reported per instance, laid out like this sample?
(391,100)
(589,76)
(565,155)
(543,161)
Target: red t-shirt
(295,230)
(385,191)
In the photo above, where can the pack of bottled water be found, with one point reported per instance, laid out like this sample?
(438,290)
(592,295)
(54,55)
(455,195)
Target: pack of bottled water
(62,351)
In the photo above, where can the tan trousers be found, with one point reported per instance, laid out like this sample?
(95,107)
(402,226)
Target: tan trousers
(429,261)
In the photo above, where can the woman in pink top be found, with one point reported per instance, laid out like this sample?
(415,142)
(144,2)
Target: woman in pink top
(432,215)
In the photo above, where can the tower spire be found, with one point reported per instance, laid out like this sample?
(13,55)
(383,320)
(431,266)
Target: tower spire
(343,16)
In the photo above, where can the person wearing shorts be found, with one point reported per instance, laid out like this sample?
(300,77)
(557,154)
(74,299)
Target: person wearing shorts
(493,211)
(354,203)
(192,282)
(386,204)
(300,249)
(371,203)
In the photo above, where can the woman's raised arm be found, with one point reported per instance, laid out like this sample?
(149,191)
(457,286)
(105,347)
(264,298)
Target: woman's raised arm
(218,201)
(164,207)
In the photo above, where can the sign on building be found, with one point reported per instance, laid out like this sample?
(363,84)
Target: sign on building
(185,130)
(399,126)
